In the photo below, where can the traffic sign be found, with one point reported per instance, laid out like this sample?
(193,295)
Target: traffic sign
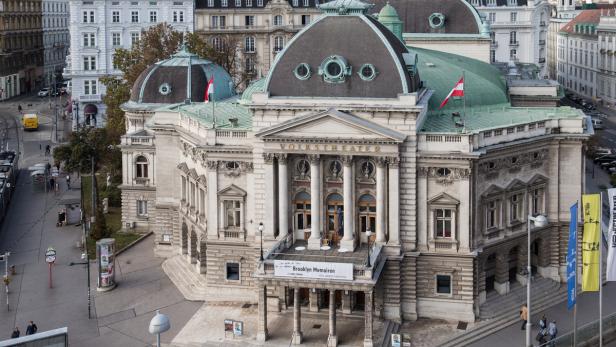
(50,259)
(50,252)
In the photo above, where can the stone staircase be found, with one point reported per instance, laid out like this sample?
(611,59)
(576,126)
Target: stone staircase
(190,283)
(391,327)
(501,311)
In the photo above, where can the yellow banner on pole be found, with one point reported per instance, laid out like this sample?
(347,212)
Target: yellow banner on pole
(590,242)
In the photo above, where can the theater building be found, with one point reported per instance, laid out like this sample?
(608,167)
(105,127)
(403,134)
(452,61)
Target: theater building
(337,183)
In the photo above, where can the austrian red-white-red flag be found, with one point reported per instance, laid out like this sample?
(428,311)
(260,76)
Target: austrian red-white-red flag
(209,90)
(458,90)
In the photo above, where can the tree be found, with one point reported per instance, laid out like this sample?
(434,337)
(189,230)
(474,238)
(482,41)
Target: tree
(99,229)
(83,145)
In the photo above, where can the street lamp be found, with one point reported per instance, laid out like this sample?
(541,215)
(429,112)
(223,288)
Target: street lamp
(261,232)
(158,325)
(539,222)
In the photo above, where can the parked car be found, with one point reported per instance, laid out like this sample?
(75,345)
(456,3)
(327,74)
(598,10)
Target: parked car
(597,124)
(604,158)
(43,92)
(608,164)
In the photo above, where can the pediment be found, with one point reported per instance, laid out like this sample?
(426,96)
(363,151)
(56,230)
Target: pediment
(444,199)
(493,189)
(232,190)
(516,184)
(537,179)
(332,124)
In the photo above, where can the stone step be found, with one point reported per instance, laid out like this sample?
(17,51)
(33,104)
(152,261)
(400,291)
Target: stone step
(504,320)
(517,297)
(191,284)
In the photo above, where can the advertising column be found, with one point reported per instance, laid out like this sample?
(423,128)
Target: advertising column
(105,255)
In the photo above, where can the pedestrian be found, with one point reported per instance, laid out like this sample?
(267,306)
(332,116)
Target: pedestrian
(68,181)
(552,331)
(52,183)
(58,166)
(19,108)
(31,329)
(15,333)
(47,150)
(524,316)
(543,330)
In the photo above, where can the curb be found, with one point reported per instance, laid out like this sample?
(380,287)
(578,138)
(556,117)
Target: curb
(130,245)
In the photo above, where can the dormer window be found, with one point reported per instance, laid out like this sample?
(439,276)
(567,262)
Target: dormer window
(367,72)
(334,69)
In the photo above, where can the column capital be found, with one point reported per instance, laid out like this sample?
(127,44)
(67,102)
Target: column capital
(212,164)
(394,162)
(282,158)
(314,158)
(347,160)
(269,158)
(381,162)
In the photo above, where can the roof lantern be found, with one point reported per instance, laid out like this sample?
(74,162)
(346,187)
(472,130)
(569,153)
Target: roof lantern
(388,16)
(344,7)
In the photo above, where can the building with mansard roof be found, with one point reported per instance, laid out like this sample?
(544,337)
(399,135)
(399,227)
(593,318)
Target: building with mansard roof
(338,178)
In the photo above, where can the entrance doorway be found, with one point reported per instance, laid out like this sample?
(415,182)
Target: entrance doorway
(335,211)
(302,218)
(367,216)
(513,264)
(490,270)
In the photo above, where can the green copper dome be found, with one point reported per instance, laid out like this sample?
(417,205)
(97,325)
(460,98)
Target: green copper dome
(388,16)
(388,12)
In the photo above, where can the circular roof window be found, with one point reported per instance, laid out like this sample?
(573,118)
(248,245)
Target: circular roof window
(164,89)
(436,20)
(302,71)
(367,72)
(334,69)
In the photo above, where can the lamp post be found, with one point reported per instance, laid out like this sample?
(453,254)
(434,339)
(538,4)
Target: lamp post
(158,325)
(539,222)
(261,232)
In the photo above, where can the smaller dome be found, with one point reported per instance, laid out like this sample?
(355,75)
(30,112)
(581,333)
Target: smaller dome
(184,76)
(388,12)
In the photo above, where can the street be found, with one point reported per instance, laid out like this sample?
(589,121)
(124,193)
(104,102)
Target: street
(119,317)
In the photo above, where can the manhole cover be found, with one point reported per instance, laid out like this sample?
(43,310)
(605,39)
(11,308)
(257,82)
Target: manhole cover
(462,325)
(246,306)
(316,326)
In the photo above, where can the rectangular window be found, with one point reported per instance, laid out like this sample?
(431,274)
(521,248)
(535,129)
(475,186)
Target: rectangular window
(233,271)
(492,17)
(514,17)
(134,38)
(515,209)
(238,3)
(210,3)
(116,39)
(89,87)
(202,201)
(89,63)
(295,3)
(89,40)
(134,16)
(443,222)
(88,16)
(91,16)
(153,16)
(214,22)
(142,208)
(305,19)
(193,194)
(536,202)
(492,214)
(224,3)
(306,3)
(249,21)
(248,3)
(443,284)
(260,3)
(115,16)
(222,21)
(232,213)
(183,188)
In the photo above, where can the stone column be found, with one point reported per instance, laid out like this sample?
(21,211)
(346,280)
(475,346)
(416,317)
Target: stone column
(348,240)
(501,277)
(283,196)
(268,177)
(346,301)
(380,201)
(332,339)
(394,201)
(368,319)
(296,339)
(262,328)
(212,199)
(315,200)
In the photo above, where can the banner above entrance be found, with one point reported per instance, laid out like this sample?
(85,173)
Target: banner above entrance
(309,269)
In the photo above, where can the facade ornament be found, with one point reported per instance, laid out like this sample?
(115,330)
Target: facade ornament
(282,158)
(212,164)
(314,159)
(346,160)
(394,162)
(381,162)
(444,175)
(246,167)
(269,158)
(514,163)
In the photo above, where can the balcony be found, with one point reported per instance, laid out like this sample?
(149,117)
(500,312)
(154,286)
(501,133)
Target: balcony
(232,235)
(541,60)
(542,23)
(90,97)
(542,42)
(514,43)
(362,266)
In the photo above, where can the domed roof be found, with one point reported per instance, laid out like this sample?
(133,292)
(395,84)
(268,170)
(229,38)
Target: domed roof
(182,77)
(387,12)
(459,16)
(344,53)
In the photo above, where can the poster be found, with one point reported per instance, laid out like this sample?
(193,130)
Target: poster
(237,328)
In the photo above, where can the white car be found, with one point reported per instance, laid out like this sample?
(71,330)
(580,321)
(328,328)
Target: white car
(43,92)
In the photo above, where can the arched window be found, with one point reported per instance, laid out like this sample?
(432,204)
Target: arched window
(367,213)
(335,212)
(249,44)
(278,43)
(302,211)
(278,20)
(142,167)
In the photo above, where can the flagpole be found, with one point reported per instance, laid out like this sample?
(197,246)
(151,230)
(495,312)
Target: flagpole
(464,98)
(600,270)
(577,203)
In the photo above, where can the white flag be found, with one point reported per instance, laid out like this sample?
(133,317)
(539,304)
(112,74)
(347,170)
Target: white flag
(611,240)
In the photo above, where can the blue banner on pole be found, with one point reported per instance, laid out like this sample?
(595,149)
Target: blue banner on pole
(572,258)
